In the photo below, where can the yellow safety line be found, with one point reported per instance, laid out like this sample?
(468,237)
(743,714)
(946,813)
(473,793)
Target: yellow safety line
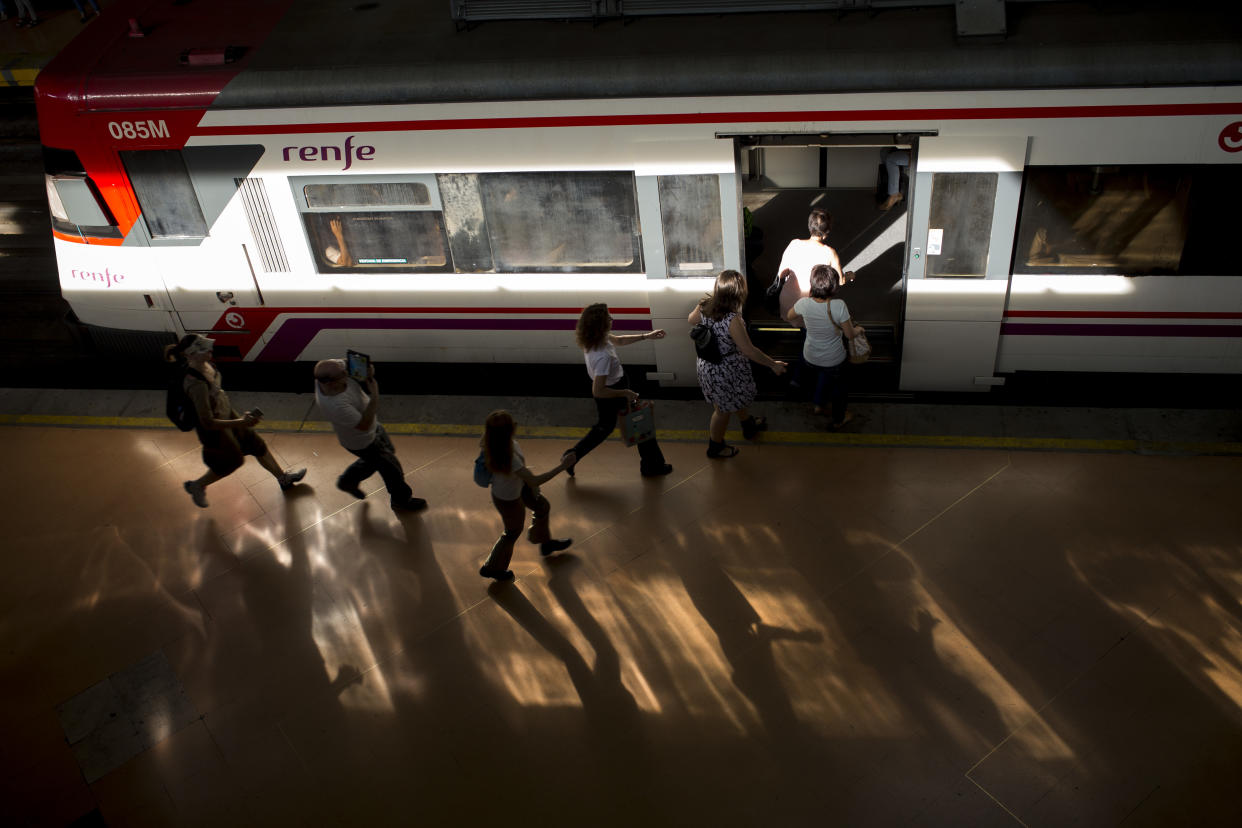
(686,435)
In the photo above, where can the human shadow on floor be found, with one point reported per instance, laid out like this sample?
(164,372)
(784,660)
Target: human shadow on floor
(622,711)
(453,721)
(745,639)
(901,647)
(605,701)
(265,667)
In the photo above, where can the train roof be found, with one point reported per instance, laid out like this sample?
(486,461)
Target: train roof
(278,53)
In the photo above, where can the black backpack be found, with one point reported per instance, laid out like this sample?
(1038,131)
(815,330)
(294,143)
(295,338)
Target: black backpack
(178,405)
(705,343)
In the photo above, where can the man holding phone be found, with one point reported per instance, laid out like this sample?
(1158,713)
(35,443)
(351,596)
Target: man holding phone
(350,406)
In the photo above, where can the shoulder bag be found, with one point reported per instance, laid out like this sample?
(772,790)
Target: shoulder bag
(482,474)
(858,349)
(705,343)
(772,296)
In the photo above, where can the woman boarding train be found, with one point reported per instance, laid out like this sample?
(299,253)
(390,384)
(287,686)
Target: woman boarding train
(728,384)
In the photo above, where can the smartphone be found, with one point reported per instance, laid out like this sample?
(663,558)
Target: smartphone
(357,365)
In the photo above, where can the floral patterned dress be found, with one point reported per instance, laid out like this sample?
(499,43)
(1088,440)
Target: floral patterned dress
(728,384)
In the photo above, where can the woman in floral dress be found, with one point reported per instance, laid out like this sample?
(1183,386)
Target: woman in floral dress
(728,384)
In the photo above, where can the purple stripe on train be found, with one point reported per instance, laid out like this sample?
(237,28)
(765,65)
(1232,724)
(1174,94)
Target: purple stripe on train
(295,334)
(1039,329)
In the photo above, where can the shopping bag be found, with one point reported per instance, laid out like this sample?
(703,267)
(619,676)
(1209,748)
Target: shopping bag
(637,422)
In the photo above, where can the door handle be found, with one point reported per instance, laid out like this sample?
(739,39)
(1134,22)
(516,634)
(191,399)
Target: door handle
(226,296)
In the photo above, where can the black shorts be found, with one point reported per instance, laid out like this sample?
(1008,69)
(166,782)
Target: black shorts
(225,450)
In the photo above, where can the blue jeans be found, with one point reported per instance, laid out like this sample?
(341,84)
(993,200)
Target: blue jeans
(380,457)
(513,514)
(892,162)
(830,380)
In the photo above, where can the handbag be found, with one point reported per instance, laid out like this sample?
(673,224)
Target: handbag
(705,343)
(637,422)
(859,348)
(482,474)
(772,296)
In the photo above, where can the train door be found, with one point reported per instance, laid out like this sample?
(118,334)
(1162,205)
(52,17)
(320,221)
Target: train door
(963,210)
(787,176)
(691,230)
(183,194)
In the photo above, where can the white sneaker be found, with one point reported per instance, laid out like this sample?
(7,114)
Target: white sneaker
(290,477)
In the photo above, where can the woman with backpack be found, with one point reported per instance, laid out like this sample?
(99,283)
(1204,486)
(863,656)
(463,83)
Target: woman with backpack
(515,488)
(226,436)
(728,383)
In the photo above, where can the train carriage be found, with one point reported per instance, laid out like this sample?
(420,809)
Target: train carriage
(290,184)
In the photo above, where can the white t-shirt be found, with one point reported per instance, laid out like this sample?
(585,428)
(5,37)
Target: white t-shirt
(508,486)
(602,361)
(344,410)
(801,256)
(823,346)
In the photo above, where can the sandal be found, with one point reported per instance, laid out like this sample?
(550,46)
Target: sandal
(721,450)
(849,415)
(751,427)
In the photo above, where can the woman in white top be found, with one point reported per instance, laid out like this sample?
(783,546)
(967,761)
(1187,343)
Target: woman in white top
(803,254)
(609,386)
(515,489)
(823,352)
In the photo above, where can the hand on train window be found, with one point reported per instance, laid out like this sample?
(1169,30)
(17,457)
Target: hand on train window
(1041,251)
(337,254)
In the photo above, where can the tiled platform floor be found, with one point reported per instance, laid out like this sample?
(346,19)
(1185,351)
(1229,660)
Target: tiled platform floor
(802,635)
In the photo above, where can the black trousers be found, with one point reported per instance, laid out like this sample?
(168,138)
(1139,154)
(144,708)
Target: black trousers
(651,459)
(380,457)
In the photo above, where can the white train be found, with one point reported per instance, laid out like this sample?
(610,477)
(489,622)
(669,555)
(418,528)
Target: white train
(294,194)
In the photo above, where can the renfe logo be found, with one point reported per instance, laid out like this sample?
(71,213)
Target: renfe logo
(108,278)
(1230,139)
(349,151)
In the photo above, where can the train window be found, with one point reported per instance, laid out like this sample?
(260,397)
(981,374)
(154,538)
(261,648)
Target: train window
(1131,220)
(690,216)
(961,216)
(562,221)
(73,201)
(369,194)
(465,222)
(368,224)
(370,240)
(165,194)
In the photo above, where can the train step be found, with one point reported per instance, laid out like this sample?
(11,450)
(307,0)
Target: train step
(784,342)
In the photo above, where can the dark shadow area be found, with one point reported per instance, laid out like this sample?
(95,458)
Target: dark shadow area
(875,296)
(744,638)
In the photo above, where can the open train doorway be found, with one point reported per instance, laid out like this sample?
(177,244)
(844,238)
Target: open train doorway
(784,177)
